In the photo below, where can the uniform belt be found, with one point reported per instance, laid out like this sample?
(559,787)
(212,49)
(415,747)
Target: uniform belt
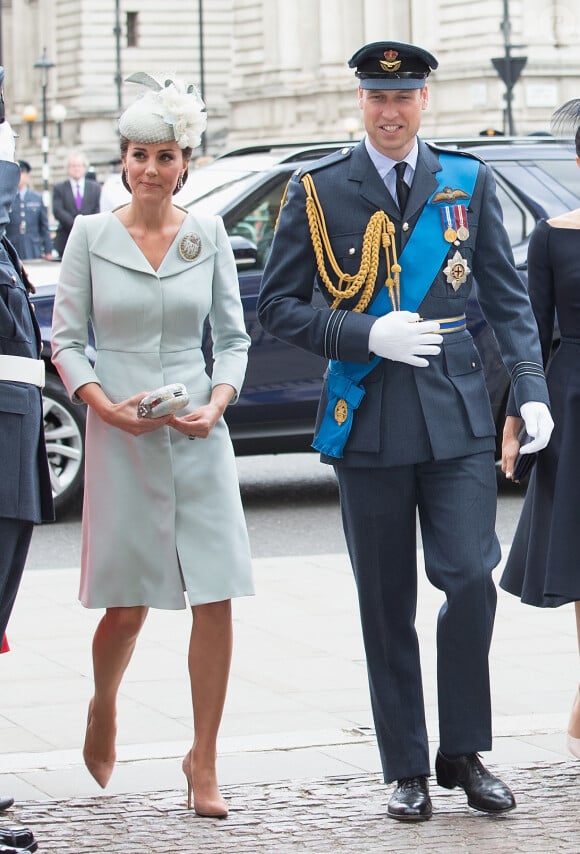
(19,369)
(450,324)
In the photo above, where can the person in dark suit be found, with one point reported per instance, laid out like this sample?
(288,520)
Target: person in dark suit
(542,565)
(25,490)
(27,229)
(77,195)
(390,231)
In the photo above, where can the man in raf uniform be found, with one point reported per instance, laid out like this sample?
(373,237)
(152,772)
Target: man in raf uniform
(393,231)
(28,229)
(25,489)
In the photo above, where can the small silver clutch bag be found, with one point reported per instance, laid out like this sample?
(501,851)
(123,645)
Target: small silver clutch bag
(163,401)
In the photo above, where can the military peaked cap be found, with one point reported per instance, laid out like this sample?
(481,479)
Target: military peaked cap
(392,65)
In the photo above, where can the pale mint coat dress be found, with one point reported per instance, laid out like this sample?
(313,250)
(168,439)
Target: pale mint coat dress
(162,514)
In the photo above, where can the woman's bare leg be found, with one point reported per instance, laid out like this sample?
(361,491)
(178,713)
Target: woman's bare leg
(113,646)
(210,653)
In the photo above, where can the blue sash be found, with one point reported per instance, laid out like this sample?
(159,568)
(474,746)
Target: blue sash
(419,269)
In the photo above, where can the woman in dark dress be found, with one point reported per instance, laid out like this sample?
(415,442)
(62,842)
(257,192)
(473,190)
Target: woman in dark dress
(543,566)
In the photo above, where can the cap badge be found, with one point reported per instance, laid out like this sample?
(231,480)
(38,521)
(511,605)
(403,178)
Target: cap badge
(190,246)
(457,271)
(391,64)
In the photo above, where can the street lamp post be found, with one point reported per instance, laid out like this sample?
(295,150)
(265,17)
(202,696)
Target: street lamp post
(118,75)
(30,115)
(45,65)
(351,125)
(508,67)
(58,115)
(201,66)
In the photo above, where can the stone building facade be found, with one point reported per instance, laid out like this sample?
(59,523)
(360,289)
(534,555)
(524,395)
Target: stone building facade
(276,70)
(292,78)
(80,37)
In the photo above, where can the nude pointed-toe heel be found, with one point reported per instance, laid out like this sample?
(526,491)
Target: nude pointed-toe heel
(211,808)
(186,767)
(99,769)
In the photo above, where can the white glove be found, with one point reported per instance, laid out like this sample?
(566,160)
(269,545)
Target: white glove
(539,425)
(7,144)
(403,337)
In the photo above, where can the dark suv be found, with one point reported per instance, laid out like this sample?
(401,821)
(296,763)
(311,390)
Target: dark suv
(536,177)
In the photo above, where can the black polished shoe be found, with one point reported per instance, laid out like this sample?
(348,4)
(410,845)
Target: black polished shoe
(485,792)
(410,801)
(5,804)
(20,838)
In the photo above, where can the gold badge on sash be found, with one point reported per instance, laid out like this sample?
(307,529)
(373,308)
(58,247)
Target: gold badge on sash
(457,271)
(190,246)
(341,411)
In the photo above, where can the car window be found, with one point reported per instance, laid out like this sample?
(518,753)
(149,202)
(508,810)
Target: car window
(532,188)
(258,224)
(256,220)
(517,219)
(219,198)
(565,172)
(535,184)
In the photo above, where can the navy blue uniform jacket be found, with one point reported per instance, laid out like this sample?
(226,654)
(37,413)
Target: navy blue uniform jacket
(25,490)
(408,415)
(29,213)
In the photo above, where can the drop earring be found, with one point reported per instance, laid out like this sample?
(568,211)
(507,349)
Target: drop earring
(179,182)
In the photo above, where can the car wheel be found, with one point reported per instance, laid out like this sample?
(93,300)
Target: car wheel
(64,434)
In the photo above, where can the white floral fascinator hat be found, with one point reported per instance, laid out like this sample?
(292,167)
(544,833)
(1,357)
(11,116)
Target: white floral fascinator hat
(171,109)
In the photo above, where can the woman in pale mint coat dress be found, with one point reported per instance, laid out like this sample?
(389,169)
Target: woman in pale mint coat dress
(162,516)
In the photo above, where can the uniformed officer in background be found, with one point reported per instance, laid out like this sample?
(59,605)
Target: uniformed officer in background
(28,229)
(25,489)
(393,232)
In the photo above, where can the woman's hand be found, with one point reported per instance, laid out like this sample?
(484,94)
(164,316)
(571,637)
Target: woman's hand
(122,415)
(199,424)
(510,444)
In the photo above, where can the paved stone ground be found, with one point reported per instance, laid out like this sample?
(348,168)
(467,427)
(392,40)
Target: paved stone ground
(335,814)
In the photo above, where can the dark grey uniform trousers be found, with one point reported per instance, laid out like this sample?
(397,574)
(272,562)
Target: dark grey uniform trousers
(456,500)
(15,536)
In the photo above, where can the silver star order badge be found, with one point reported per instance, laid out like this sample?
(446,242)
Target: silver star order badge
(190,246)
(457,271)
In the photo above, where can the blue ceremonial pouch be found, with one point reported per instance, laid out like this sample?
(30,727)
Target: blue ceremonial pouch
(344,398)
(524,462)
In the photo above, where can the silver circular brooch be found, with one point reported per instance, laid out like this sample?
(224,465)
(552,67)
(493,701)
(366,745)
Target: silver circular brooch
(190,246)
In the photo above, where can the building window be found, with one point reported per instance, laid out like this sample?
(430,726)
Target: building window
(132,29)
